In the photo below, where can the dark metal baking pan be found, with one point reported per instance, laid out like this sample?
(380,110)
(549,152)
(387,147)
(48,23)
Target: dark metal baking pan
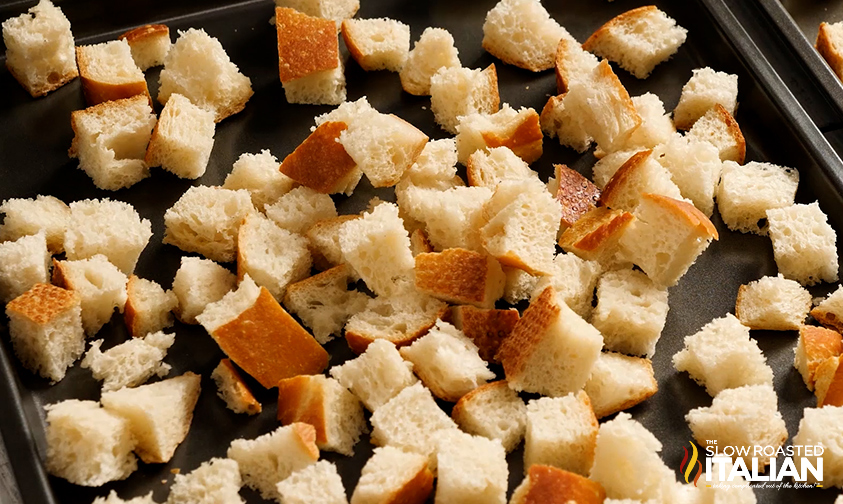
(33,160)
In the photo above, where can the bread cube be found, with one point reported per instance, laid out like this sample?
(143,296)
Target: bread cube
(88,445)
(393,475)
(549,485)
(641,174)
(40,49)
(522,33)
(260,466)
(487,328)
(377,375)
(318,483)
(101,286)
(829,46)
(656,125)
(183,138)
(519,285)
(559,119)
(489,168)
(519,130)
(746,193)
(300,209)
(773,303)
(258,174)
(111,228)
(198,68)
(561,432)
(460,276)
(828,385)
(819,426)
(575,193)
(23,263)
(130,363)
(148,307)
(551,350)
(470,470)
(325,243)
(619,382)
(108,72)
(436,167)
(306,44)
(114,499)
(703,90)
(830,310)
(452,218)
(319,88)
(719,128)
(149,44)
(159,414)
(637,40)
(257,334)
(608,165)
(337,10)
(493,411)
(233,390)
(272,256)
(419,244)
(110,140)
(31,216)
(596,236)
(198,283)
(377,44)
(804,243)
(217,480)
(574,280)
(321,163)
(721,356)
(815,346)
(457,91)
(695,168)
(572,63)
(432,51)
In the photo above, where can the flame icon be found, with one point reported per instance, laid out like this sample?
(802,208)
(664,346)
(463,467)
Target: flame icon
(694,463)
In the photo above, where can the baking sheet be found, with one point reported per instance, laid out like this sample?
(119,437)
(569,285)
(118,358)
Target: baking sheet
(35,136)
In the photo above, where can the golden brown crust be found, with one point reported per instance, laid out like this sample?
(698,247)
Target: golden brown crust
(525,140)
(97,92)
(460,276)
(827,318)
(96,109)
(415,491)
(829,382)
(419,243)
(487,328)
(619,20)
(623,176)
(831,54)
(306,44)
(595,235)
(306,434)
(516,350)
(575,193)
(320,162)
(145,32)
(561,71)
(819,344)
(734,131)
(54,81)
(240,389)
(130,312)
(549,485)
(301,399)
(43,302)
(60,277)
(492,75)
(686,212)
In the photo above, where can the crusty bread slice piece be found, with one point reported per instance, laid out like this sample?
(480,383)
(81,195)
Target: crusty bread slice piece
(773,303)
(641,174)
(829,46)
(40,49)
(259,174)
(148,307)
(319,88)
(457,91)
(419,243)
(130,363)
(306,44)
(183,138)
(377,44)
(490,168)
(549,485)
(88,445)
(519,285)
(23,263)
(392,475)
(272,256)
(522,33)
(259,336)
(149,44)
(538,355)
(435,168)
(198,283)
(101,286)
(638,40)
(746,192)
(108,72)
(113,498)
(517,129)
(574,192)
(319,483)
(493,411)
(30,216)
(694,167)
(300,209)
(828,384)
(560,120)
(233,390)
(451,217)
(337,10)
(217,479)
(325,243)
(574,280)
(619,382)
(829,312)
(561,432)
(321,163)
(572,63)
(817,427)
(460,276)
(432,51)
(815,346)
(608,165)
(596,236)
(719,128)
(804,243)
(377,375)
(656,125)
(470,469)
(198,68)
(704,89)
(487,328)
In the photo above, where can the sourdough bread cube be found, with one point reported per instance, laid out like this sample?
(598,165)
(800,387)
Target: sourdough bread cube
(559,119)
(804,243)
(575,193)
(815,346)
(609,164)
(619,382)
(108,72)
(487,328)
(148,307)
(519,130)
(631,312)
(319,483)
(460,276)
(159,414)
(111,228)
(377,44)
(719,128)
(25,217)
(457,91)
(436,167)
(493,411)
(393,475)
(321,163)
(829,312)
(377,375)
(198,283)
(829,46)
(542,481)
(704,89)
(695,168)
(110,140)
(773,303)
(300,209)
(258,459)
(519,285)
(551,350)
(656,125)
(149,44)
(522,33)
(183,138)
(638,40)
(114,499)
(306,44)
(130,363)
(45,327)
(470,470)
(818,426)
(88,445)
(561,432)
(272,256)
(217,480)
(574,280)
(40,49)
(23,263)
(722,356)
(198,68)
(452,218)
(326,87)
(597,235)
(233,390)
(325,243)
(101,286)
(432,51)
(641,174)
(258,174)
(337,10)
(447,362)
(206,220)
(572,63)
(490,168)
(747,191)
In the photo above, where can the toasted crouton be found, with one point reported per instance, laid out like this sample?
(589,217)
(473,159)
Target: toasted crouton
(640,175)
(434,50)
(108,72)
(183,138)
(746,193)
(703,90)
(487,328)
(148,307)
(233,390)
(517,129)
(561,432)
(828,384)
(377,44)
(149,44)
(804,243)
(830,311)
(322,163)
(519,285)
(306,44)
(549,485)
(319,88)
(596,236)
(815,346)
(829,46)
(619,382)
(460,276)
(494,411)
(773,303)
(719,128)
(394,475)
(456,92)
(575,193)
(300,209)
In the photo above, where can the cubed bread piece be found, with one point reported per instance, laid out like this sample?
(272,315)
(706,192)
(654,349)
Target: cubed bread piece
(719,128)
(337,10)
(608,165)
(432,51)
(493,411)
(721,356)
(560,120)
(436,167)
(551,350)
(319,483)
(88,445)
(517,129)
(830,310)
(260,465)
(130,363)
(101,286)
(217,480)
(377,44)
(574,192)
(457,91)
(23,263)
(549,485)
(40,49)
(148,307)
(198,68)
(460,276)
(561,432)
(233,390)
(400,319)
(272,256)
(819,426)
(447,362)
(572,63)
(637,40)
(110,140)
(452,218)
(321,163)
(392,475)
(159,414)
(773,303)
(45,327)
(113,498)
(470,470)
(522,33)
(619,382)
(258,174)
(206,220)
(828,386)
(804,243)
(198,283)
(574,280)
(108,72)
(306,44)
(183,138)
(300,209)
(726,488)
(419,243)
(377,375)
(815,346)
(829,44)
(656,124)
(263,339)
(25,217)
(704,89)
(149,44)
(487,328)
(695,168)
(326,87)
(641,174)
(631,312)
(519,285)
(489,168)
(666,238)
(746,192)
(111,228)
(596,236)
(325,243)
